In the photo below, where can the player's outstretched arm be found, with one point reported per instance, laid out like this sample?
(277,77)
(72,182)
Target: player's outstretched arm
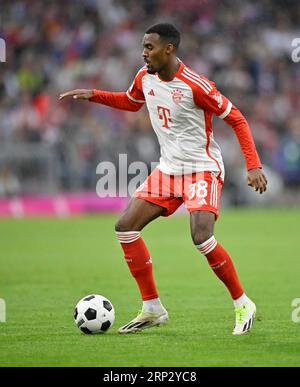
(257,179)
(132,100)
(77,94)
(118,100)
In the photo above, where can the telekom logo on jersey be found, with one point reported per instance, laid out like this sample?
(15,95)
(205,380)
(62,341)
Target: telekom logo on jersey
(164,114)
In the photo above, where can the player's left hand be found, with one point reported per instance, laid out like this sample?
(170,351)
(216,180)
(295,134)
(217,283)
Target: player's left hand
(257,179)
(77,94)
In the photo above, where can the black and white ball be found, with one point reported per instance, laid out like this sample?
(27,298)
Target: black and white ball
(94,314)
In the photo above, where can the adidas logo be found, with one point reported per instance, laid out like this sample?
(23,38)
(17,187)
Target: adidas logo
(202,202)
(151,92)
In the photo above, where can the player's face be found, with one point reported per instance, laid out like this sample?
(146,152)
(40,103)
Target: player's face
(156,52)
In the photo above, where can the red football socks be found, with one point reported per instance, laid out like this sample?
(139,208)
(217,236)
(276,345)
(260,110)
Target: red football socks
(139,262)
(222,265)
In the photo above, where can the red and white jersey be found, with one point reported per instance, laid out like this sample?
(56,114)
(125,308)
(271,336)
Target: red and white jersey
(181,113)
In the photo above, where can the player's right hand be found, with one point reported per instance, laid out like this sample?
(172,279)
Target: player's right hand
(77,94)
(257,179)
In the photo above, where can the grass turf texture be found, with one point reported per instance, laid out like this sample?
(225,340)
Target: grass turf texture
(48,265)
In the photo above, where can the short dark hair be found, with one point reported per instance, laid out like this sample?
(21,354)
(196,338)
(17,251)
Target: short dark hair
(167,32)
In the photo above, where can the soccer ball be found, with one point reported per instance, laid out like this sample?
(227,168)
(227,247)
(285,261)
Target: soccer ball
(94,314)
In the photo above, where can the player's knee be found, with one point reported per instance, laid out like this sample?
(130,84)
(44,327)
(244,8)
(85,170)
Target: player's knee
(121,226)
(201,235)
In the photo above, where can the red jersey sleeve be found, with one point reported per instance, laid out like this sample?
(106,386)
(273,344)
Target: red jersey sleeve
(132,100)
(208,97)
(135,92)
(241,128)
(115,100)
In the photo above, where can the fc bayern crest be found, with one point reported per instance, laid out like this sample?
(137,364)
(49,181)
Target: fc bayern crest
(177,95)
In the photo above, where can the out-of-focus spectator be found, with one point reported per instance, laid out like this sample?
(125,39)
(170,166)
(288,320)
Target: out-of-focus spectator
(244,46)
(9,183)
(287,154)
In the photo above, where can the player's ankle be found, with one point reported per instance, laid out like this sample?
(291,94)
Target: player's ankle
(241,301)
(153,306)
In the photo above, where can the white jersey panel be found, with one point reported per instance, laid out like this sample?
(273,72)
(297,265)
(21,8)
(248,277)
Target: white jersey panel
(186,143)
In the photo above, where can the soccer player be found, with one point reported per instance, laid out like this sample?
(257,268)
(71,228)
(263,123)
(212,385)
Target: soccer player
(181,104)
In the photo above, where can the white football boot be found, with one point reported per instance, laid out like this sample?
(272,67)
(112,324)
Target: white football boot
(145,320)
(244,316)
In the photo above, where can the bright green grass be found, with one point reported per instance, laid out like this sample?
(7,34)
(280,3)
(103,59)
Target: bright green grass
(48,265)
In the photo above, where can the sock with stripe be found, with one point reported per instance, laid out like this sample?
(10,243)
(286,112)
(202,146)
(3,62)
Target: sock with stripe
(139,262)
(222,265)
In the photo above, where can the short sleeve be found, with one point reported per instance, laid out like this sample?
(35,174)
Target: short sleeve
(135,91)
(208,97)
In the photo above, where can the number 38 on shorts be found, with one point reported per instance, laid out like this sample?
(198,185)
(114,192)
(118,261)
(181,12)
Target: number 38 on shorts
(199,191)
(204,193)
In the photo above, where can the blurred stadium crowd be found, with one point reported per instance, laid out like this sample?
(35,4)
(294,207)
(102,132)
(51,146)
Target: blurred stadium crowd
(53,46)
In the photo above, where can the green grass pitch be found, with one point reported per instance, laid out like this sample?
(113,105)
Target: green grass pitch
(47,265)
